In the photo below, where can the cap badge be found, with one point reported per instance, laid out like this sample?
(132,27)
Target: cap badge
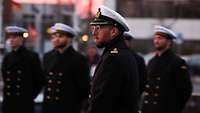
(114,51)
(98,13)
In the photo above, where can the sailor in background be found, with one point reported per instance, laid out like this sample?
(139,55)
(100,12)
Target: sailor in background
(93,57)
(22,74)
(67,73)
(129,40)
(168,85)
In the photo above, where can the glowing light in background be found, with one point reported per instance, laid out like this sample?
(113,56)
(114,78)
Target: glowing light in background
(85,38)
(44,1)
(87,8)
(25,35)
(84,8)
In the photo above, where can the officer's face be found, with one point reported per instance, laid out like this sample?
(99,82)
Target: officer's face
(101,34)
(161,42)
(14,41)
(59,40)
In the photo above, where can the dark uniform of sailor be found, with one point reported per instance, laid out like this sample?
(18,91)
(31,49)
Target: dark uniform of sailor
(67,78)
(22,76)
(139,61)
(115,87)
(168,84)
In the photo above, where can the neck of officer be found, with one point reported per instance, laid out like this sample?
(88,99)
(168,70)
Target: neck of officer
(167,47)
(63,48)
(16,48)
(160,52)
(114,36)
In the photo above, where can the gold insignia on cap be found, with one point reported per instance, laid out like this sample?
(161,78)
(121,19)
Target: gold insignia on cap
(98,13)
(183,67)
(114,51)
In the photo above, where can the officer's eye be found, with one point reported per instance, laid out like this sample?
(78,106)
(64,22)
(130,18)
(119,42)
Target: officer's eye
(57,35)
(96,27)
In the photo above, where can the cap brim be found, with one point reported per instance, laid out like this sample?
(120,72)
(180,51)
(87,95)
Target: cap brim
(64,33)
(100,23)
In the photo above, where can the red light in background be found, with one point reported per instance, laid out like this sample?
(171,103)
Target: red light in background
(68,2)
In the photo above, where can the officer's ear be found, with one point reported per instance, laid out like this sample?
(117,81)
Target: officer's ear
(170,43)
(115,31)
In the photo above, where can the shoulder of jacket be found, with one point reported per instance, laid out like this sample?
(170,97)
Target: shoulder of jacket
(32,52)
(79,55)
(181,62)
(48,54)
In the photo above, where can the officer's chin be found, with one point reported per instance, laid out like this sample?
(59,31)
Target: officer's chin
(60,46)
(159,48)
(100,45)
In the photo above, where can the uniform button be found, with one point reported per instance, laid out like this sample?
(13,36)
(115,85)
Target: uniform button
(49,89)
(18,86)
(57,98)
(8,72)
(146,102)
(60,74)
(155,94)
(146,94)
(18,79)
(154,102)
(89,96)
(147,86)
(8,86)
(17,93)
(49,81)
(158,78)
(57,90)
(8,79)
(50,73)
(59,82)
(48,97)
(19,71)
(157,87)
(8,93)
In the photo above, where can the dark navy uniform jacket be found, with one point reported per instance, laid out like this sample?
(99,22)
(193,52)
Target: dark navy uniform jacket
(141,71)
(67,81)
(115,86)
(168,84)
(23,79)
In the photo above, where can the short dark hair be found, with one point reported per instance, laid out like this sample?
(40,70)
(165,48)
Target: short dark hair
(165,35)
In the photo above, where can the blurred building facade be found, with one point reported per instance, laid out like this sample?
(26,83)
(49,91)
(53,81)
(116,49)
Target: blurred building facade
(159,8)
(182,16)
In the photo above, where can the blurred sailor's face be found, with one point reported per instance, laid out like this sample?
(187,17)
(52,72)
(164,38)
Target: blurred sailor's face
(101,34)
(60,40)
(161,42)
(14,41)
(91,51)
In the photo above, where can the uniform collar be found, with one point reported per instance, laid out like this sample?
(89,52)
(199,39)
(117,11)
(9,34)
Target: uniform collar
(165,53)
(117,42)
(68,49)
(19,49)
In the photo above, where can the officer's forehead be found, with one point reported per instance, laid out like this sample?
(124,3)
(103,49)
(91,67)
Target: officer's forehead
(58,34)
(158,36)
